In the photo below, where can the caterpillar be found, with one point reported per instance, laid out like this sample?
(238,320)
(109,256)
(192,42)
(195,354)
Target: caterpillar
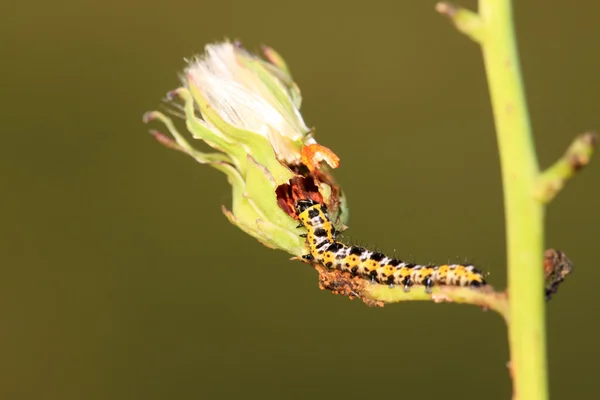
(324,249)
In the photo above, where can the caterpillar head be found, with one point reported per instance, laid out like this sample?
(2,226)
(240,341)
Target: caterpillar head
(303,205)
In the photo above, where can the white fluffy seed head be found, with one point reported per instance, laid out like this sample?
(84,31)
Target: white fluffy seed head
(242,99)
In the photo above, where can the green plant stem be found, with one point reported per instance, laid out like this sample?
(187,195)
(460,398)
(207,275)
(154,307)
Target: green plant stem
(524,215)
(485,298)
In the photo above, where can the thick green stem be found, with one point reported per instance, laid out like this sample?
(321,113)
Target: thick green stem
(493,29)
(523,213)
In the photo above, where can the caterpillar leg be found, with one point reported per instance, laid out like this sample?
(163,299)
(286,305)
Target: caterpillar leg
(308,257)
(407,283)
(428,283)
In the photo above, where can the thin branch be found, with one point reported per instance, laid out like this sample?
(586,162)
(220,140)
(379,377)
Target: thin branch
(556,267)
(577,156)
(464,20)
(377,295)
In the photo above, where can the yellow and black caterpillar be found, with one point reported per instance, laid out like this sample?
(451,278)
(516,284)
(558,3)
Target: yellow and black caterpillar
(375,266)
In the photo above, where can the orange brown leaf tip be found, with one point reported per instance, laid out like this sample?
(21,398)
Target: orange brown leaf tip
(314,154)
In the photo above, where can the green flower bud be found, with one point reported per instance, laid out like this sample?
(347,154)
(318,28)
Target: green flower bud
(249,112)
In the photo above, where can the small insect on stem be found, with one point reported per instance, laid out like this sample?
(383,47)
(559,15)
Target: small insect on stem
(374,266)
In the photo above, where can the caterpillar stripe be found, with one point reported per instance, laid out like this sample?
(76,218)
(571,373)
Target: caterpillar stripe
(324,249)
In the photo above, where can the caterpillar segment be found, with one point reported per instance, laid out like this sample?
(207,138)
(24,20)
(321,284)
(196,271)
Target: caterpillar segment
(324,249)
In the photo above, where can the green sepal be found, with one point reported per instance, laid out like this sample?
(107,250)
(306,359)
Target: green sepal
(256,212)
(278,67)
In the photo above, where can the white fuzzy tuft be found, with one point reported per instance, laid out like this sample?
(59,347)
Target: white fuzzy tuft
(243,100)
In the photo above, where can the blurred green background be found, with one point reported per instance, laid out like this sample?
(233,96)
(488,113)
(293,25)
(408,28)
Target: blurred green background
(121,279)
